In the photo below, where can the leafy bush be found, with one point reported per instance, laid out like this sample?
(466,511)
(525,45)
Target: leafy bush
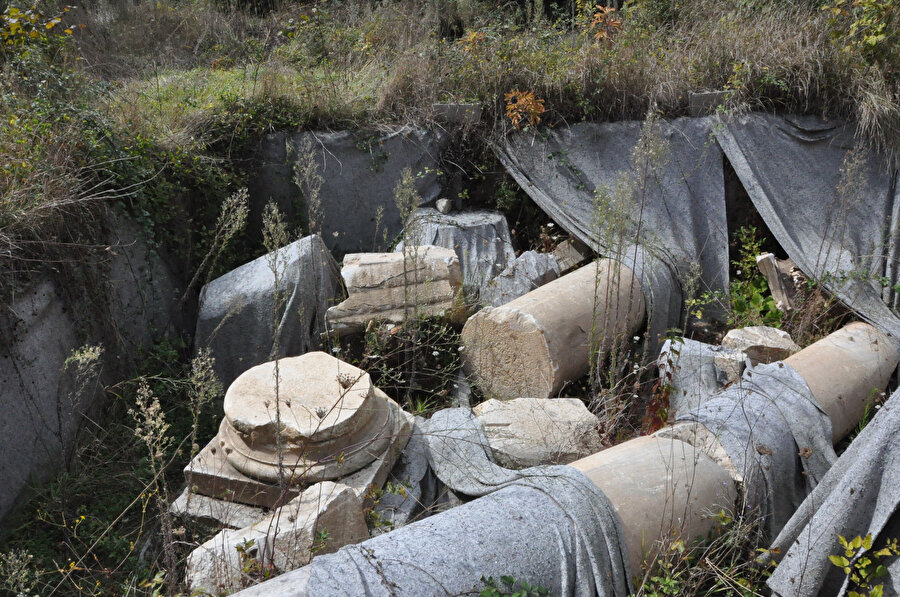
(510,587)
(751,302)
(870,28)
(863,565)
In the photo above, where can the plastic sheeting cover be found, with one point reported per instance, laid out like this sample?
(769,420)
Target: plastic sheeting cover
(834,210)
(547,526)
(775,434)
(480,238)
(235,313)
(360,172)
(677,216)
(860,495)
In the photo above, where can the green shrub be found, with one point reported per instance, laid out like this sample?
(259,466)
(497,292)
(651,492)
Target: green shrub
(751,302)
(510,587)
(863,565)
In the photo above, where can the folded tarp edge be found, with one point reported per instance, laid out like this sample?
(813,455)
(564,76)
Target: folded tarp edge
(835,262)
(859,496)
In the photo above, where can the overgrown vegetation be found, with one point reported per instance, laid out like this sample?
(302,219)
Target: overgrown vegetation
(358,63)
(723,564)
(141,100)
(864,565)
(95,529)
(153,107)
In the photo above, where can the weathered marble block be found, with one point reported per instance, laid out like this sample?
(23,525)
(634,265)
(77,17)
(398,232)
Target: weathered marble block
(532,431)
(392,287)
(323,518)
(760,343)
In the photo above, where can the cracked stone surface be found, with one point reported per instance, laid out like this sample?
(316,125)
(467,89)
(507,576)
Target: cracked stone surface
(529,432)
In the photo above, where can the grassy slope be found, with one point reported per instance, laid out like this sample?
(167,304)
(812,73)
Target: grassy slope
(188,78)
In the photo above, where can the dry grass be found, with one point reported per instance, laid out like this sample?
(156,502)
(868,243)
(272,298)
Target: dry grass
(355,63)
(125,39)
(191,78)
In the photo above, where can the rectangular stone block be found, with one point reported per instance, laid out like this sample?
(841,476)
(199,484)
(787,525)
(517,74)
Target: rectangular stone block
(423,280)
(325,517)
(570,254)
(210,474)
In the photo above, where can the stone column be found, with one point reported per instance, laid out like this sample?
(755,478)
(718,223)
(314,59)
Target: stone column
(845,370)
(669,488)
(658,486)
(530,347)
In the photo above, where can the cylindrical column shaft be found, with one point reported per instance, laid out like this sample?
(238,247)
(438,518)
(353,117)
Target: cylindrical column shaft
(844,370)
(515,531)
(659,487)
(533,345)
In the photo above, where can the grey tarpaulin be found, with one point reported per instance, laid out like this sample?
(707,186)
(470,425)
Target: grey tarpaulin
(236,313)
(677,216)
(412,472)
(460,456)
(689,368)
(480,238)
(547,526)
(360,172)
(792,168)
(527,272)
(777,436)
(860,495)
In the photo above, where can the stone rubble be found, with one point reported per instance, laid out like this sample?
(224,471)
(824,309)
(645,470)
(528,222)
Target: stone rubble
(325,517)
(332,421)
(661,488)
(730,365)
(570,254)
(443,205)
(527,272)
(694,371)
(779,277)
(674,480)
(215,512)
